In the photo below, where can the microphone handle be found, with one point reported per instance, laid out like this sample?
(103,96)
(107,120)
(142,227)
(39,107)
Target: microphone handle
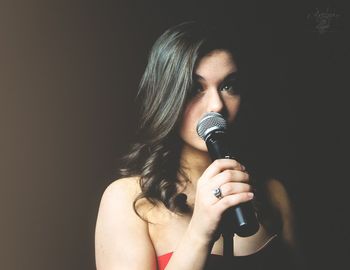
(242,216)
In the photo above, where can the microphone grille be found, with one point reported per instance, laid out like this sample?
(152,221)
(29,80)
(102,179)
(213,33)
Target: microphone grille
(210,122)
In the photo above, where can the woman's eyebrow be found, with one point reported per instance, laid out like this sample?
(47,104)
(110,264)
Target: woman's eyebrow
(231,75)
(198,77)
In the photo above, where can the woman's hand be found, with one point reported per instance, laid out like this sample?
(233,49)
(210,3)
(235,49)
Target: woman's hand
(230,177)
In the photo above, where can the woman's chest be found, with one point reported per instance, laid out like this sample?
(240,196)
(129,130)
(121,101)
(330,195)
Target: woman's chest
(166,229)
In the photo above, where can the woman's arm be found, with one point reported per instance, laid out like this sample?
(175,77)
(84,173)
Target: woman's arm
(121,237)
(193,249)
(281,201)
(122,240)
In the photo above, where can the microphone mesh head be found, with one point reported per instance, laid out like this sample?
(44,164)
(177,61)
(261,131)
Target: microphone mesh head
(210,122)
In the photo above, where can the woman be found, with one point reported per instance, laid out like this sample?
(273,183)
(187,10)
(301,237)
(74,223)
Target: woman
(162,214)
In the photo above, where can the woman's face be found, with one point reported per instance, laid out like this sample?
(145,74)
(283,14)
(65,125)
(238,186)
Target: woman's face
(215,91)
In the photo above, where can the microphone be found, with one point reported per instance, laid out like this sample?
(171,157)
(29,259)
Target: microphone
(212,129)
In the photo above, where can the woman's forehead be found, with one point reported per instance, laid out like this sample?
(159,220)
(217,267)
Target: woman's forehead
(215,65)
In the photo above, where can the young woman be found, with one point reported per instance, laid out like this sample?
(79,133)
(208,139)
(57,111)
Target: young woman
(162,213)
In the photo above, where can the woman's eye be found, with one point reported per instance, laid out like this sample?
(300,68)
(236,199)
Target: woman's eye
(197,88)
(230,87)
(227,87)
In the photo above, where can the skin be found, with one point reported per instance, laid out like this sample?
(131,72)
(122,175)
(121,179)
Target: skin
(125,241)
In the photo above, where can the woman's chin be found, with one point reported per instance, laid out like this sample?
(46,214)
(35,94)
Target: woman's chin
(196,147)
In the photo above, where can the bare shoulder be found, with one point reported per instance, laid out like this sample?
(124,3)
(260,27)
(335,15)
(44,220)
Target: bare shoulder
(121,236)
(124,188)
(278,194)
(280,200)
(118,197)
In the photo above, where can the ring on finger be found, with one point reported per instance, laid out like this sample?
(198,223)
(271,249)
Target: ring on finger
(217,193)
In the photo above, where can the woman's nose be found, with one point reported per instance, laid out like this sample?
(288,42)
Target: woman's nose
(215,102)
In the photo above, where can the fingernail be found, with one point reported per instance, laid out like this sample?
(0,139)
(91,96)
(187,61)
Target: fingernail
(250,195)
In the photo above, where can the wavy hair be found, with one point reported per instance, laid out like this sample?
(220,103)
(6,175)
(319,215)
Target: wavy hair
(164,90)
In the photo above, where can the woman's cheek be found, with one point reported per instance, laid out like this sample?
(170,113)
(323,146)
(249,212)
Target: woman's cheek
(189,123)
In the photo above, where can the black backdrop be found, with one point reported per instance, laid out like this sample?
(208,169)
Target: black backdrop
(69,74)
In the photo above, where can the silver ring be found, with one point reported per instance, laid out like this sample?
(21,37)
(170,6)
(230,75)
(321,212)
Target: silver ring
(217,193)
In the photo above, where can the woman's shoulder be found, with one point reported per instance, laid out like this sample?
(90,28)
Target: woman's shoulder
(280,201)
(119,229)
(277,194)
(122,195)
(125,187)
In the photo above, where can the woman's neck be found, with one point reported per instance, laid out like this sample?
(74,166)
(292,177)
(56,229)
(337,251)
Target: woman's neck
(193,162)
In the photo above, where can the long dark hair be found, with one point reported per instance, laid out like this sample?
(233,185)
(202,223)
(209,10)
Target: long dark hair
(165,87)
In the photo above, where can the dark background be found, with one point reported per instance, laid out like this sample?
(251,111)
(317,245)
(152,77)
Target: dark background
(69,71)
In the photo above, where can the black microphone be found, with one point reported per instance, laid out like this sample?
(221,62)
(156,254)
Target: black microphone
(212,129)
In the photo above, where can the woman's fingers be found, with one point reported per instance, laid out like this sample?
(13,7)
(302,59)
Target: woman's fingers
(227,183)
(229,176)
(220,165)
(233,200)
(234,188)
